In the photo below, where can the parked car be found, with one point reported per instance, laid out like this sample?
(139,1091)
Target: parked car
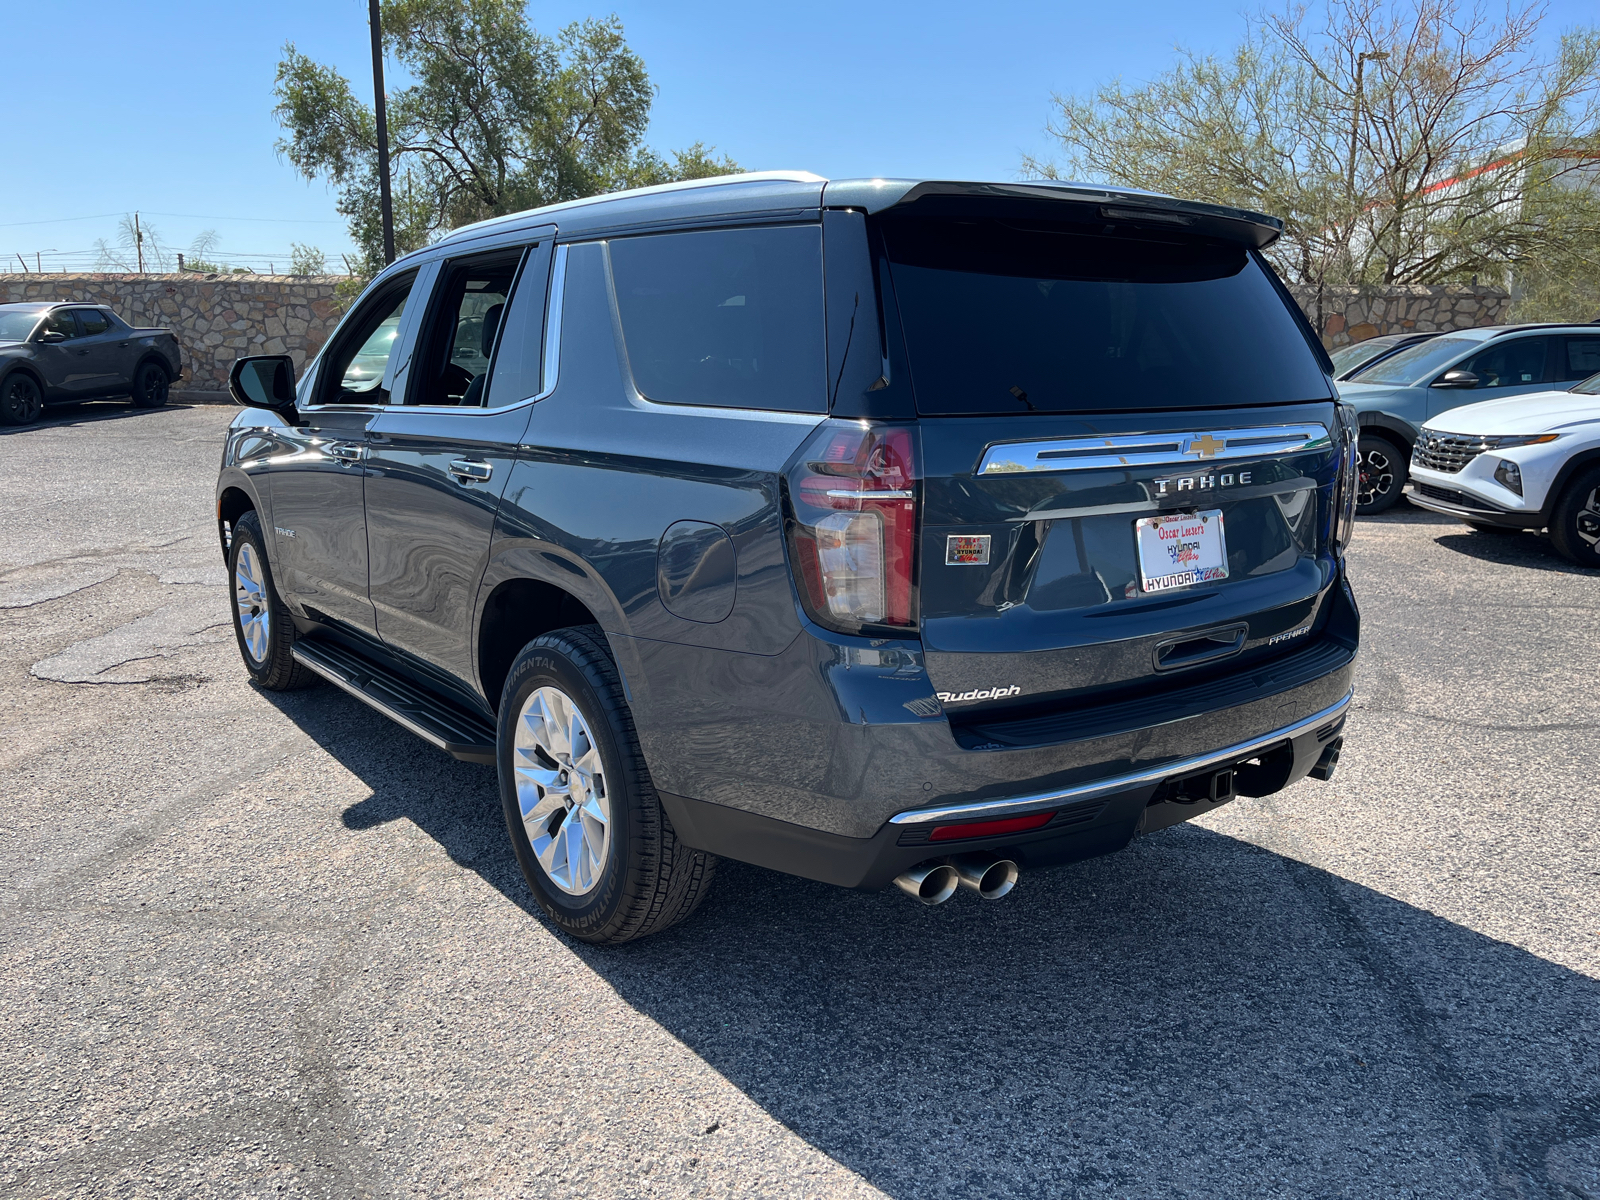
(1349,361)
(1009,528)
(1526,462)
(1394,397)
(56,352)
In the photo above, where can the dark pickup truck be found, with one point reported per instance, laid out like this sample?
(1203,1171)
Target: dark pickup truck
(877,531)
(53,353)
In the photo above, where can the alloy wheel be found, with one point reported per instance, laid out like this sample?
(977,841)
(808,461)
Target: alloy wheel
(21,403)
(1586,521)
(250,596)
(1376,476)
(561,791)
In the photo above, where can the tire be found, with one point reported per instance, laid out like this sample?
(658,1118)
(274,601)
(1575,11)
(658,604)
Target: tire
(1382,474)
(261,622)
(21,401)
(150,385)
(608,866)
(1575,522)
(1497,530)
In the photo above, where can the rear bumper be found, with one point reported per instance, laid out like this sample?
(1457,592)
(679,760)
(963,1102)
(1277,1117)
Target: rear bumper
(830,761)
(1085,820)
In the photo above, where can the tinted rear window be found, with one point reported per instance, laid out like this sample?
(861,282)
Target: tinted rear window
(1006,317)
(729,317)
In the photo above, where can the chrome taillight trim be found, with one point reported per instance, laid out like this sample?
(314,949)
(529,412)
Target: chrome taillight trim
(1151,449)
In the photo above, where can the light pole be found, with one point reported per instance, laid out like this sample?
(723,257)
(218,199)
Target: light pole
(1355,117)
(375,20)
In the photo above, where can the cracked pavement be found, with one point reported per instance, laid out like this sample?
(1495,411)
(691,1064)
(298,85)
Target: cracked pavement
(261,945)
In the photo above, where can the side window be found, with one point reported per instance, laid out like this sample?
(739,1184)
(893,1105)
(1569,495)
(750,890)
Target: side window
(519,358)
(730,317)
(463,327)
(1509,364)
(354,370)
(1581,360)
(60,321)
(92,321)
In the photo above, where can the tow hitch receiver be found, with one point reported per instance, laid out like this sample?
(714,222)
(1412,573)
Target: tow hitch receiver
(1215,786)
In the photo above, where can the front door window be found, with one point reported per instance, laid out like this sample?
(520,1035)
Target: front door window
(358,364)
(1516,363)
(463,331)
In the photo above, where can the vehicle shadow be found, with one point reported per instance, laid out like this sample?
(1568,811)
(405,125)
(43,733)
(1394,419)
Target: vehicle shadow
(1194,1017)
(86,412)
(1517,548)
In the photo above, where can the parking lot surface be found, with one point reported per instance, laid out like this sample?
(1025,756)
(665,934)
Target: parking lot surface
(258,945)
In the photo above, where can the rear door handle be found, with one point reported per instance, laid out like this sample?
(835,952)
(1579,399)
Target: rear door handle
(471,472)
(347,452)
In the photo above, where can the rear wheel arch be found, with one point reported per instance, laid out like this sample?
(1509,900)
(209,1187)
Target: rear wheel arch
(517,611)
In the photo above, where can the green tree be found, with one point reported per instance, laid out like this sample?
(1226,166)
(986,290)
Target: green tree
(306,260)
(1401,141)
(495,118)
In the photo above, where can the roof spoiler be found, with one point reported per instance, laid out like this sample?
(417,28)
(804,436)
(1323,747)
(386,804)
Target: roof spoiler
(1041,198)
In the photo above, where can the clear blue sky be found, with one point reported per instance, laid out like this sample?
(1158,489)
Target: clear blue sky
(165,106)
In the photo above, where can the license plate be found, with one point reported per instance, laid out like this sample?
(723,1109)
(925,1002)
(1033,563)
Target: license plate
(1180,550)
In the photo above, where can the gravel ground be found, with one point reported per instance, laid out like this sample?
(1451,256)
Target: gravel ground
(273,945)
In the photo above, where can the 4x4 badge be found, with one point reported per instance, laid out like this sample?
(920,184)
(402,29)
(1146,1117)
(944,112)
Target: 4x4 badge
(966,550)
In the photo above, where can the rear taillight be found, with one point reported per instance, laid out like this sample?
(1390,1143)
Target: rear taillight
(852,527)
(1344,489)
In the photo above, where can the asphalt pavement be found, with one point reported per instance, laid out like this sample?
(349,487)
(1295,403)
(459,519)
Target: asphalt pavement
(273,945)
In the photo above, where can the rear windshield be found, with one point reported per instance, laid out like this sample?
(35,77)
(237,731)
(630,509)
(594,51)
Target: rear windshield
(1012,317)
(1417,363)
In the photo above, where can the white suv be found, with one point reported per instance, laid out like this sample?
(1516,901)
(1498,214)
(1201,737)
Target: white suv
(1524,462)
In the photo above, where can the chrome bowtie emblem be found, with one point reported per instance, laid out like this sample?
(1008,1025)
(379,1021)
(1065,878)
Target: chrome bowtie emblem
(1205,447)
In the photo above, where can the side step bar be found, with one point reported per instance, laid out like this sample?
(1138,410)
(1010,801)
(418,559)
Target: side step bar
(457,731)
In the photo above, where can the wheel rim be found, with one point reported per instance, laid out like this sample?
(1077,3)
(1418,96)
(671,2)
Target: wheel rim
(22,402)
(149,385)
(1586,522)
(250,598)
(1376,476)
(561,791)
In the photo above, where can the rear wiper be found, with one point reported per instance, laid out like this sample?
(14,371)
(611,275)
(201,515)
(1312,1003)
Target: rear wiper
(1023,396)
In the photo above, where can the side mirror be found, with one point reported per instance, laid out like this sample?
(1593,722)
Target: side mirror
(51,337)
(1456,379)
(264,381)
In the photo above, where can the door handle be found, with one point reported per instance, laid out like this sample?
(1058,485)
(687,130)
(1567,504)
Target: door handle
(471,472)
(346,452)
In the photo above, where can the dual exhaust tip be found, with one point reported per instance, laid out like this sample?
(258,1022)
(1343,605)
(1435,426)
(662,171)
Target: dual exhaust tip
(936,881)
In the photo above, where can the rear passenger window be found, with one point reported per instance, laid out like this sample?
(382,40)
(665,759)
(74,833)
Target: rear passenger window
(1582,358)
(93,321)
(731,318)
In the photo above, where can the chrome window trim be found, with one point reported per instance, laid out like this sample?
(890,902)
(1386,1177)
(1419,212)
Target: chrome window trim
(1119,783)
(1122,451)
(552,361)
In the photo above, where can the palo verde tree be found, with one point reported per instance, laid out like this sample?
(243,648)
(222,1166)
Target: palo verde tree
(494,118)
(1401,141)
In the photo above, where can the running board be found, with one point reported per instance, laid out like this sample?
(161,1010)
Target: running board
(439,722)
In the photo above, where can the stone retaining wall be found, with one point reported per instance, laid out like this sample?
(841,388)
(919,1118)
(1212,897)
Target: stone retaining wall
(217,318)
(1354,314)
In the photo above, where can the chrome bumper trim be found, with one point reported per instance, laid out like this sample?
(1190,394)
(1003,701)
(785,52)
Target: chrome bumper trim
(1121,783)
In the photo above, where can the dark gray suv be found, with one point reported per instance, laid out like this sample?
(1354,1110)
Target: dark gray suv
(877,531)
